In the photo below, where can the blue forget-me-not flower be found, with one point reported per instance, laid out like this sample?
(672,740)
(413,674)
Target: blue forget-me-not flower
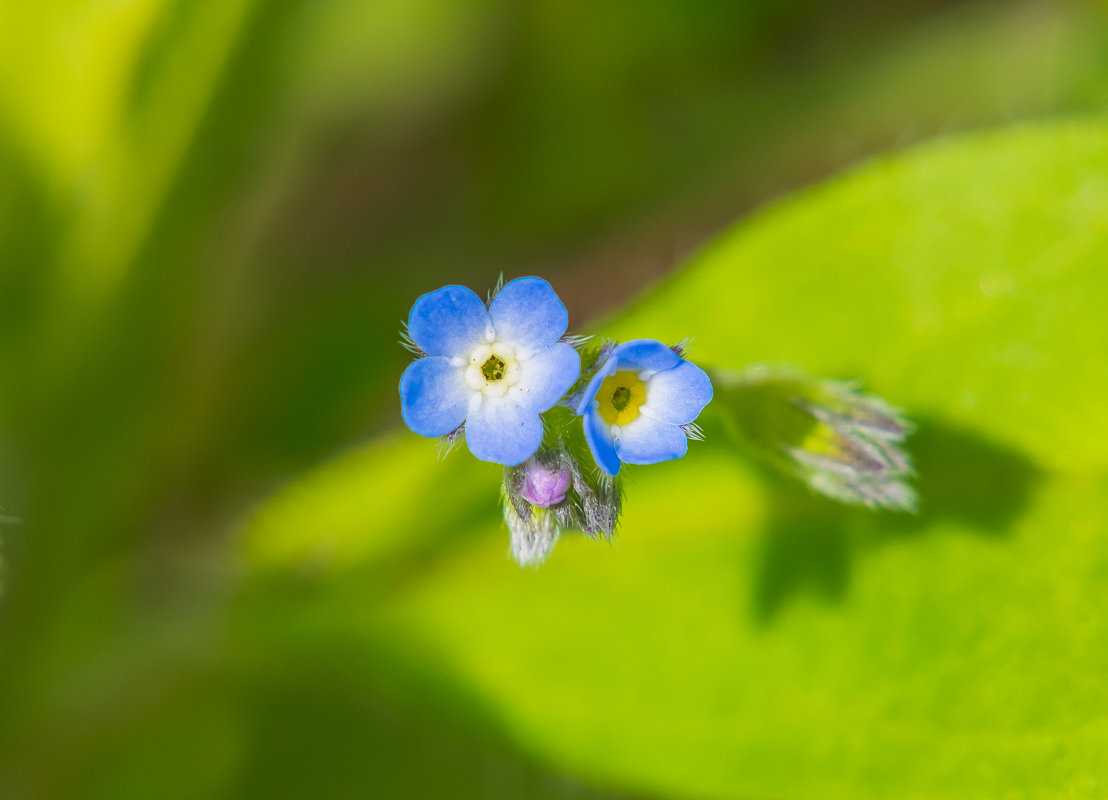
(640,405)
(494,369)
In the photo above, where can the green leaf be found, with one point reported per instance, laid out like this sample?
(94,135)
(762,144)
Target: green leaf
(745,638)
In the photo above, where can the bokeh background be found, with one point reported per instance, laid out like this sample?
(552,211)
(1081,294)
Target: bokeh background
(214,217)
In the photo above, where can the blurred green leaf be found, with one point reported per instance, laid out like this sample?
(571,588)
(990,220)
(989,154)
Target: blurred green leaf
(745,638)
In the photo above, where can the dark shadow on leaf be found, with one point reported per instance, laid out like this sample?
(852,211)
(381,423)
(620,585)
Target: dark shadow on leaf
(967,478)
(804,549)
(809,542)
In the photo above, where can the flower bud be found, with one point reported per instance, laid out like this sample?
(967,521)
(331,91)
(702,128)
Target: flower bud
(844,444)
(533,538)
(600,502)
(544,484)
(551,492)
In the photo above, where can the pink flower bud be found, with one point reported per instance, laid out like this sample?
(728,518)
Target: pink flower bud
(544,485)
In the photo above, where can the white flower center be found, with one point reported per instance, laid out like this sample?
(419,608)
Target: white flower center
(492,369)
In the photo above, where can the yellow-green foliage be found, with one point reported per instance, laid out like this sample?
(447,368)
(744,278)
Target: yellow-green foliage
(744,638)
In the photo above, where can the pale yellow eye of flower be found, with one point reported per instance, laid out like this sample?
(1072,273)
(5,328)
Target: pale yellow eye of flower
(620,397)
(492,369)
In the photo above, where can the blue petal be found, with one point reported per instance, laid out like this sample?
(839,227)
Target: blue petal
(503,431)
(646,440)
(527,314)
(678,395)
(598,438)
(449,322)
(645,355)
(546,376)
(640,355)
(587,397)
(433,396)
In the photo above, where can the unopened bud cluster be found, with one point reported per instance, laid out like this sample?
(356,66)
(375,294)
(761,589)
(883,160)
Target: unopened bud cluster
(844,444)
(552,492)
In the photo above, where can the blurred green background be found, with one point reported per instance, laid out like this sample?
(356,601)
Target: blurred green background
(234,576)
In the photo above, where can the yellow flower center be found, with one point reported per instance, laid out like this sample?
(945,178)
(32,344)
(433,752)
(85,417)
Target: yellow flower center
(620,397)
(493,369)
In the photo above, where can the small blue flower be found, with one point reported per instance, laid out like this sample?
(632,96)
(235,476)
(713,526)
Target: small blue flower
(639,406)
(493,369)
